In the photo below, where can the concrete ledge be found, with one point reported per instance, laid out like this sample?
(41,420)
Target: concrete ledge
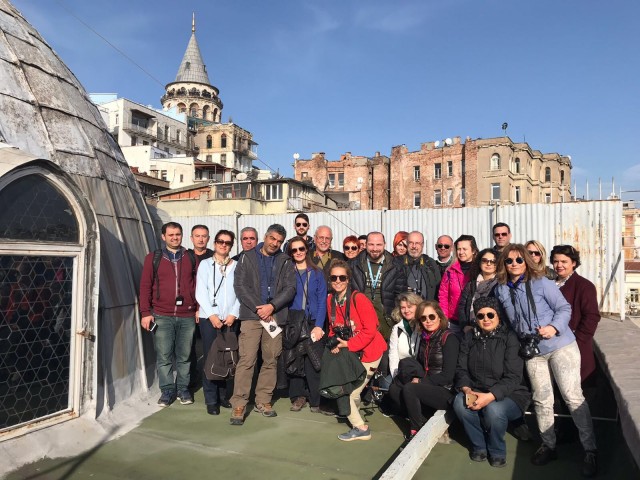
(410,459)
(616,345)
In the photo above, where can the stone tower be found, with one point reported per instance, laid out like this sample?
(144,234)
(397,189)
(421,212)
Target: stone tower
(192,92)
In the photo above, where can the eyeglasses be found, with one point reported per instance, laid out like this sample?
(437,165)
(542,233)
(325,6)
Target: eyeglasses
(228,243)
(488,261)
(489,315)
(336,278)
(534,253)
(442,245)
(518,260)
(352,247)
(301,224)
(430,317)
(299,249)
(248,238)
(501,234)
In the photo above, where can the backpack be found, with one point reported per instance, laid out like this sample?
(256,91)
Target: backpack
(157,257)
(222,358)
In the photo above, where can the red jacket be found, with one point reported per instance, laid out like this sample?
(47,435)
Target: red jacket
(364,323)
(168,273)
(453,282)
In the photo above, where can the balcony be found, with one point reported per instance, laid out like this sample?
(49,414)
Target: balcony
(139,130)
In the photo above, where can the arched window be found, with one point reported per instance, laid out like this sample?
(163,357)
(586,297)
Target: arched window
(223,141)
(205,112)
(182,108)
(215,115)
(193,110)
(516,165)
(495,162)
(209,141)
(561,177)
(547,174)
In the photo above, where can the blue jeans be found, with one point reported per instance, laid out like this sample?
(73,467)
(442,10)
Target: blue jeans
(215,391)
(486,428)
(172,341)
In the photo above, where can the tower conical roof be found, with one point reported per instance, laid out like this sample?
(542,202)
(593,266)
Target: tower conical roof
(192,68)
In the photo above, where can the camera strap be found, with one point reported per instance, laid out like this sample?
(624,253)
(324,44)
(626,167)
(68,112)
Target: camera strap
(345,311)
(531,305)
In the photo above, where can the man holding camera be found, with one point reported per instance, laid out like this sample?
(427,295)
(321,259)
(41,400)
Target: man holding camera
(265,284)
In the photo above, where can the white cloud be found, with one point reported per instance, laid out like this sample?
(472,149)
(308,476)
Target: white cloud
(392,17)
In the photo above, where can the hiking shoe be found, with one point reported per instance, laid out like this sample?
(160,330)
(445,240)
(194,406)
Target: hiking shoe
(185,397)
(497,462)
(265,409)
(298,404)
(590,464)
(355,434)
(237,416)
(166,398)
(544,455)
(478,456)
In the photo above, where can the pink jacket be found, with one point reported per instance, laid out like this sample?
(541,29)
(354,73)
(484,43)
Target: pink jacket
(453,282)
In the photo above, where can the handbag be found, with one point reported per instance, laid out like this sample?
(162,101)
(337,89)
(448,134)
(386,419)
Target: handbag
(222,357)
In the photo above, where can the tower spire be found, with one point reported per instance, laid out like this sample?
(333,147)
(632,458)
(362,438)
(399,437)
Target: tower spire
(192,68)
(193,23)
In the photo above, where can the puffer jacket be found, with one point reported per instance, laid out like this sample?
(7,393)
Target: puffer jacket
(402,345)
(453,282)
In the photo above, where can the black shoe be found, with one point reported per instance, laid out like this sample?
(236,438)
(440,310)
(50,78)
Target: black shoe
(497,462)
(478,456)
(225,404)
(544,455)
(590,464)
(213,409)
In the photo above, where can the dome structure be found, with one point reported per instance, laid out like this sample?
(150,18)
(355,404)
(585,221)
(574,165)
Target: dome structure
(74,230)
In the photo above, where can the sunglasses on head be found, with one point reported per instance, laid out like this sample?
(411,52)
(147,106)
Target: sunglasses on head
(488,261)
(301,224)
(518,260)
(489,315)
(500,234)
(352,247)
(228,243)
(534,253)
(336,278)
(299,249)
(442,245)
(431,316)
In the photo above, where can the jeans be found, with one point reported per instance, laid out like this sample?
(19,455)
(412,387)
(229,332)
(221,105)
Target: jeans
(215,391)
(172,341)
(486,427)
(354,399)
(564,365)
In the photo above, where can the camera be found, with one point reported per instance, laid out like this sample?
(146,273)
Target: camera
(341,332)
(529,345)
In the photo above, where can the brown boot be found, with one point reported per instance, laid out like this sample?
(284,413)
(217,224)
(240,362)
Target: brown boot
(298,404)
(237,416)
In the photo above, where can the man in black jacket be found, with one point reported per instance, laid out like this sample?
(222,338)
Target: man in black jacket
(322,253)
(421,271)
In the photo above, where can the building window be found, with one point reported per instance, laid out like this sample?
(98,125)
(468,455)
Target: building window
(495,162)
(416,173)
(416,200)
(181,178)
(437,170)
(449,196)
(341,179)
(145,142)
(462,196)
(223,159)
(437,198)
(134,141)
(332,180)
(274,192)
(547,198)
(495,192)
(223,141)
(198,174)
(547,174)
(561,177)
(209,158)
(153,173)
(163,174)
(209,141)
(634,295)
(450,168)
(516,165)
(516,195)
(304,175)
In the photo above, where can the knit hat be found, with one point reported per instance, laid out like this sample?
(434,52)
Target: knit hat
(487,302)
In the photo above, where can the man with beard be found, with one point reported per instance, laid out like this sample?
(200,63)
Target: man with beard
(421,271)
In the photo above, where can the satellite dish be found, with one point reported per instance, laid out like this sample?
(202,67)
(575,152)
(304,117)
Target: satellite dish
(241,176)
(436,143)
(569,157)
(296,156)
(448,141)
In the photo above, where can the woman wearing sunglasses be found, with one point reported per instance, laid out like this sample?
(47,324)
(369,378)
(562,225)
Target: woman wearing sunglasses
(218,309)
(310,305)
(488,378)
(483,282)
(351,247)
(539,314)
(353,310)
(539,256)
(429,389)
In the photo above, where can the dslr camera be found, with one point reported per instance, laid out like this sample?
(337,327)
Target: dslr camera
(341,332)
(529,345)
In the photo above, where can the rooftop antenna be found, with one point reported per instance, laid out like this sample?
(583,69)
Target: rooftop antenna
(505,125)
(587,189)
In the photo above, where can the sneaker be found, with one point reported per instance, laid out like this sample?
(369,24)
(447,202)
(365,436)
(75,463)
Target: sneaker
(265,409)
(544,455)
(355,434)
(409,436)
(315,410)
(478,456)
(167,398)
(213,409)
(522,433)
(590,464)
(497,462)
(185,397)
(298,404)
(237,416)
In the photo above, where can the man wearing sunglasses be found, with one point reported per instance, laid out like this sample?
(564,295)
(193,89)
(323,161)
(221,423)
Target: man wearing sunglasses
(501,236)
(444,252)
(301,225)
(421,271)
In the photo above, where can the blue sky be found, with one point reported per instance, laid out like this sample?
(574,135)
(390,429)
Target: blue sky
(364,75)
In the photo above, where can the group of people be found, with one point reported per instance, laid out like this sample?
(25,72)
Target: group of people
(460,330)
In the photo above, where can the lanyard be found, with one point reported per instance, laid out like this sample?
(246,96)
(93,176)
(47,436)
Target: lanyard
(374,281)
(223,269)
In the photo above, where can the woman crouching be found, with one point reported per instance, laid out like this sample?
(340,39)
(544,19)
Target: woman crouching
(488,377)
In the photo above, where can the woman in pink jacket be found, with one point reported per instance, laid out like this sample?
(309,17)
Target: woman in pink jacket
(455,278)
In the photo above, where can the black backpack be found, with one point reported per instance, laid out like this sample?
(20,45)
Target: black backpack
(222,358)
(157,257)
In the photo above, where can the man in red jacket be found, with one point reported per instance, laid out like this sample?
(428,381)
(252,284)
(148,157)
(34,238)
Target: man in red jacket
(167,309)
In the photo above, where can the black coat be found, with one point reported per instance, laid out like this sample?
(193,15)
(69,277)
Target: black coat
(393,279)
(490,363)
(429,272)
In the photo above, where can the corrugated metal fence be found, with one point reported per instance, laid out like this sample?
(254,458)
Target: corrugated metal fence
(595,228)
